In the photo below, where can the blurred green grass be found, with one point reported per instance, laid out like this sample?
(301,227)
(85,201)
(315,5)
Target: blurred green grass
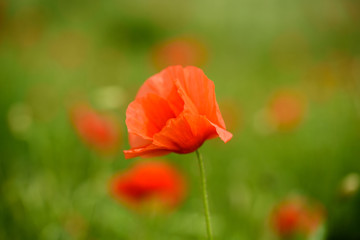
(51,52)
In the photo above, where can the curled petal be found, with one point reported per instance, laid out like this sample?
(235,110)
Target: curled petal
(150,150)
(147,116)
(162,84)
(188,132)
(138,141)
(223,134)
(201,91)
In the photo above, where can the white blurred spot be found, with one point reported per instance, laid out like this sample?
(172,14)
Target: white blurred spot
(350,184)
(110,97)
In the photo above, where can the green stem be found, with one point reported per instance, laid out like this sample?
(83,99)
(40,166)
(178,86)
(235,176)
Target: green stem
(205,195)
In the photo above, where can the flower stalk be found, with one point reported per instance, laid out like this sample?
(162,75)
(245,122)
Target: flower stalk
(205,195)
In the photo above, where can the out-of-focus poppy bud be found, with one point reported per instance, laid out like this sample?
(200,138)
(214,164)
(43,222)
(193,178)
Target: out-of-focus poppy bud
(100,131)
(148,184)
(179,51)
(296,216)
(286,109)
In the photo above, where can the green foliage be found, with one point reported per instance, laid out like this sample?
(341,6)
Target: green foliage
(52,186)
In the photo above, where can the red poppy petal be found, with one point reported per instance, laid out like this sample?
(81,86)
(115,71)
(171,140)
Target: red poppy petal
(138,141)
(147,116)
(149,151)
(187,132)
(188,104)
(162,84)
(98,130)
(147,181)
(223,134)
(201,91)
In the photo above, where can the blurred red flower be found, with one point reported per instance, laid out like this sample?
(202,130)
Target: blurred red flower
(149,182)
(179,51)
(98,130)
(286,109)
(174,111)
(297,217)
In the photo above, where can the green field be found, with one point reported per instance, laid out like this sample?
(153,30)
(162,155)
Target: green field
(53,186)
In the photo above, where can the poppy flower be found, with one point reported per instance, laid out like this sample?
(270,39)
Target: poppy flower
(182,51)
(96,129)
(297,217)
(174,111)
(149,182)
(286,109)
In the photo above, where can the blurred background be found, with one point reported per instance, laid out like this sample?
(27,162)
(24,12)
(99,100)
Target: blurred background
(287,77)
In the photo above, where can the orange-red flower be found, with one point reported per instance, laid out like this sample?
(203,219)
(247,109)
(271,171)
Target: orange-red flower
(149,182)
(297,217)
(182,51)
(286,109)
(174,111)
(96,129)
